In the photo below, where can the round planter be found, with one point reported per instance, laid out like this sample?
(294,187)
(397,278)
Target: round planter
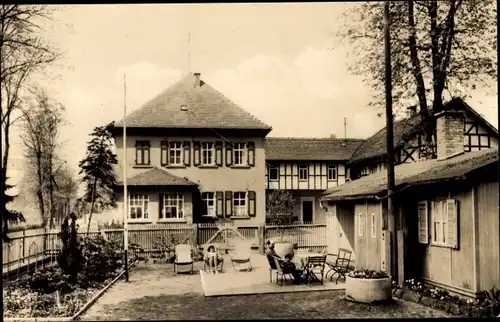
(284,248)
(368,290)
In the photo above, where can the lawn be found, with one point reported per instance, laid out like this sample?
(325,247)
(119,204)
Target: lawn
(154,293)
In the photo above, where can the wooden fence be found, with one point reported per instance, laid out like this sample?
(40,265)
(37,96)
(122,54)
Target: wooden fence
(28,245)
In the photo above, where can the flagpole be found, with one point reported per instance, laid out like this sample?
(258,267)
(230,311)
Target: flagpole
(125,193)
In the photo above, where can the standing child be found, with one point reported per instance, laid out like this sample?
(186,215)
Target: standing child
(211,257)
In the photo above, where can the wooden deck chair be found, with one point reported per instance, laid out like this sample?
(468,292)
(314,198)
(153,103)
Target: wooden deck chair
(220,259)
(241,257)
(316,268)
(280,275)
(340,266)
(183,257)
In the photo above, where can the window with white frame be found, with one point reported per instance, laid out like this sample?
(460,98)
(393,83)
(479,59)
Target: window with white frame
(374,226)
(239,154)
(138,206)
(207,153)
(173,206)
(439,222)
(209,200)
(273,172)
(303,172)
(175,153)
(239,204)
(332,172)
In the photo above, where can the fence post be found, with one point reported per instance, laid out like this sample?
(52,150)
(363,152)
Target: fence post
(261,237)
(44,249)
(195,234)
(24,245)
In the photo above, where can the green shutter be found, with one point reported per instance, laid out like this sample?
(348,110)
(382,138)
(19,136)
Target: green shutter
(452,223)
(219,203)
(251,203)
(251,153)
(229,203)
(164,153)
(229,154)
(196,153)
(423,222)
(187,153)
(218,153)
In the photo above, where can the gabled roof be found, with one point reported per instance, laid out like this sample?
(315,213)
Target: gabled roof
(414,173)
(374,146)
(206,108)
(310,148)
(157,177)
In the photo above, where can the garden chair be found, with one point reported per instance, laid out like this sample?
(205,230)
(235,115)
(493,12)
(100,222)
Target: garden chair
(220,259)
(315,268)
(241,256)
(183,257)
(272,267)
(280,275)
(340,266)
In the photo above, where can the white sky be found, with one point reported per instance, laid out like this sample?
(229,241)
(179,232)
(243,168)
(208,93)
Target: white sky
(279,61)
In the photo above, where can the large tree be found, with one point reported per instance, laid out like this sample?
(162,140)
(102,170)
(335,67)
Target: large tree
(97,169)
(437,48)
(41,127)
(23,52)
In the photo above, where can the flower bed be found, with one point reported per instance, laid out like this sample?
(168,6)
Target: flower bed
(48,292)
(416,291)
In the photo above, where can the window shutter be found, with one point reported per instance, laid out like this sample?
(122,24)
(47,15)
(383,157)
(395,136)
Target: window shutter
(196,153)
(218,153)
(251,203)
(160,213)
(219,207)
(423,222)
(251,153)
(229,154)
(433,218)
(229,203)
(164,153)
(452,222)
(187,153)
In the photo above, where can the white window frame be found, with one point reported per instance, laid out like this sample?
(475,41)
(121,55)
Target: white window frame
(209,199)
(209,149)
(373,225)
(304,167)
(240,210)
(138,201)
(334,168)
(274,167)
(175,147)
(240,149)
(173,200)
(440,223)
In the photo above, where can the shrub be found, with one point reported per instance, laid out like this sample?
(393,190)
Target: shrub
(367,274)
(102,258)
(70,257)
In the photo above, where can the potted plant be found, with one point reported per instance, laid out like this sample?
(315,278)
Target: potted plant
(368,286)
(279,207)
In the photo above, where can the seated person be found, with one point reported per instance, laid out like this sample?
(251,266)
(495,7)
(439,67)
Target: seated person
(270,253)
(288,267)
(212,258)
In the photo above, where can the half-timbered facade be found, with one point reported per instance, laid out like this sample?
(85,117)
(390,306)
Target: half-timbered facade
(307,167)
(409,139)
(192,154)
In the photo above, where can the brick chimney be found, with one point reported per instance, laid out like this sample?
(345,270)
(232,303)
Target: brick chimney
(411,111)
(197,81)
(449,133)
